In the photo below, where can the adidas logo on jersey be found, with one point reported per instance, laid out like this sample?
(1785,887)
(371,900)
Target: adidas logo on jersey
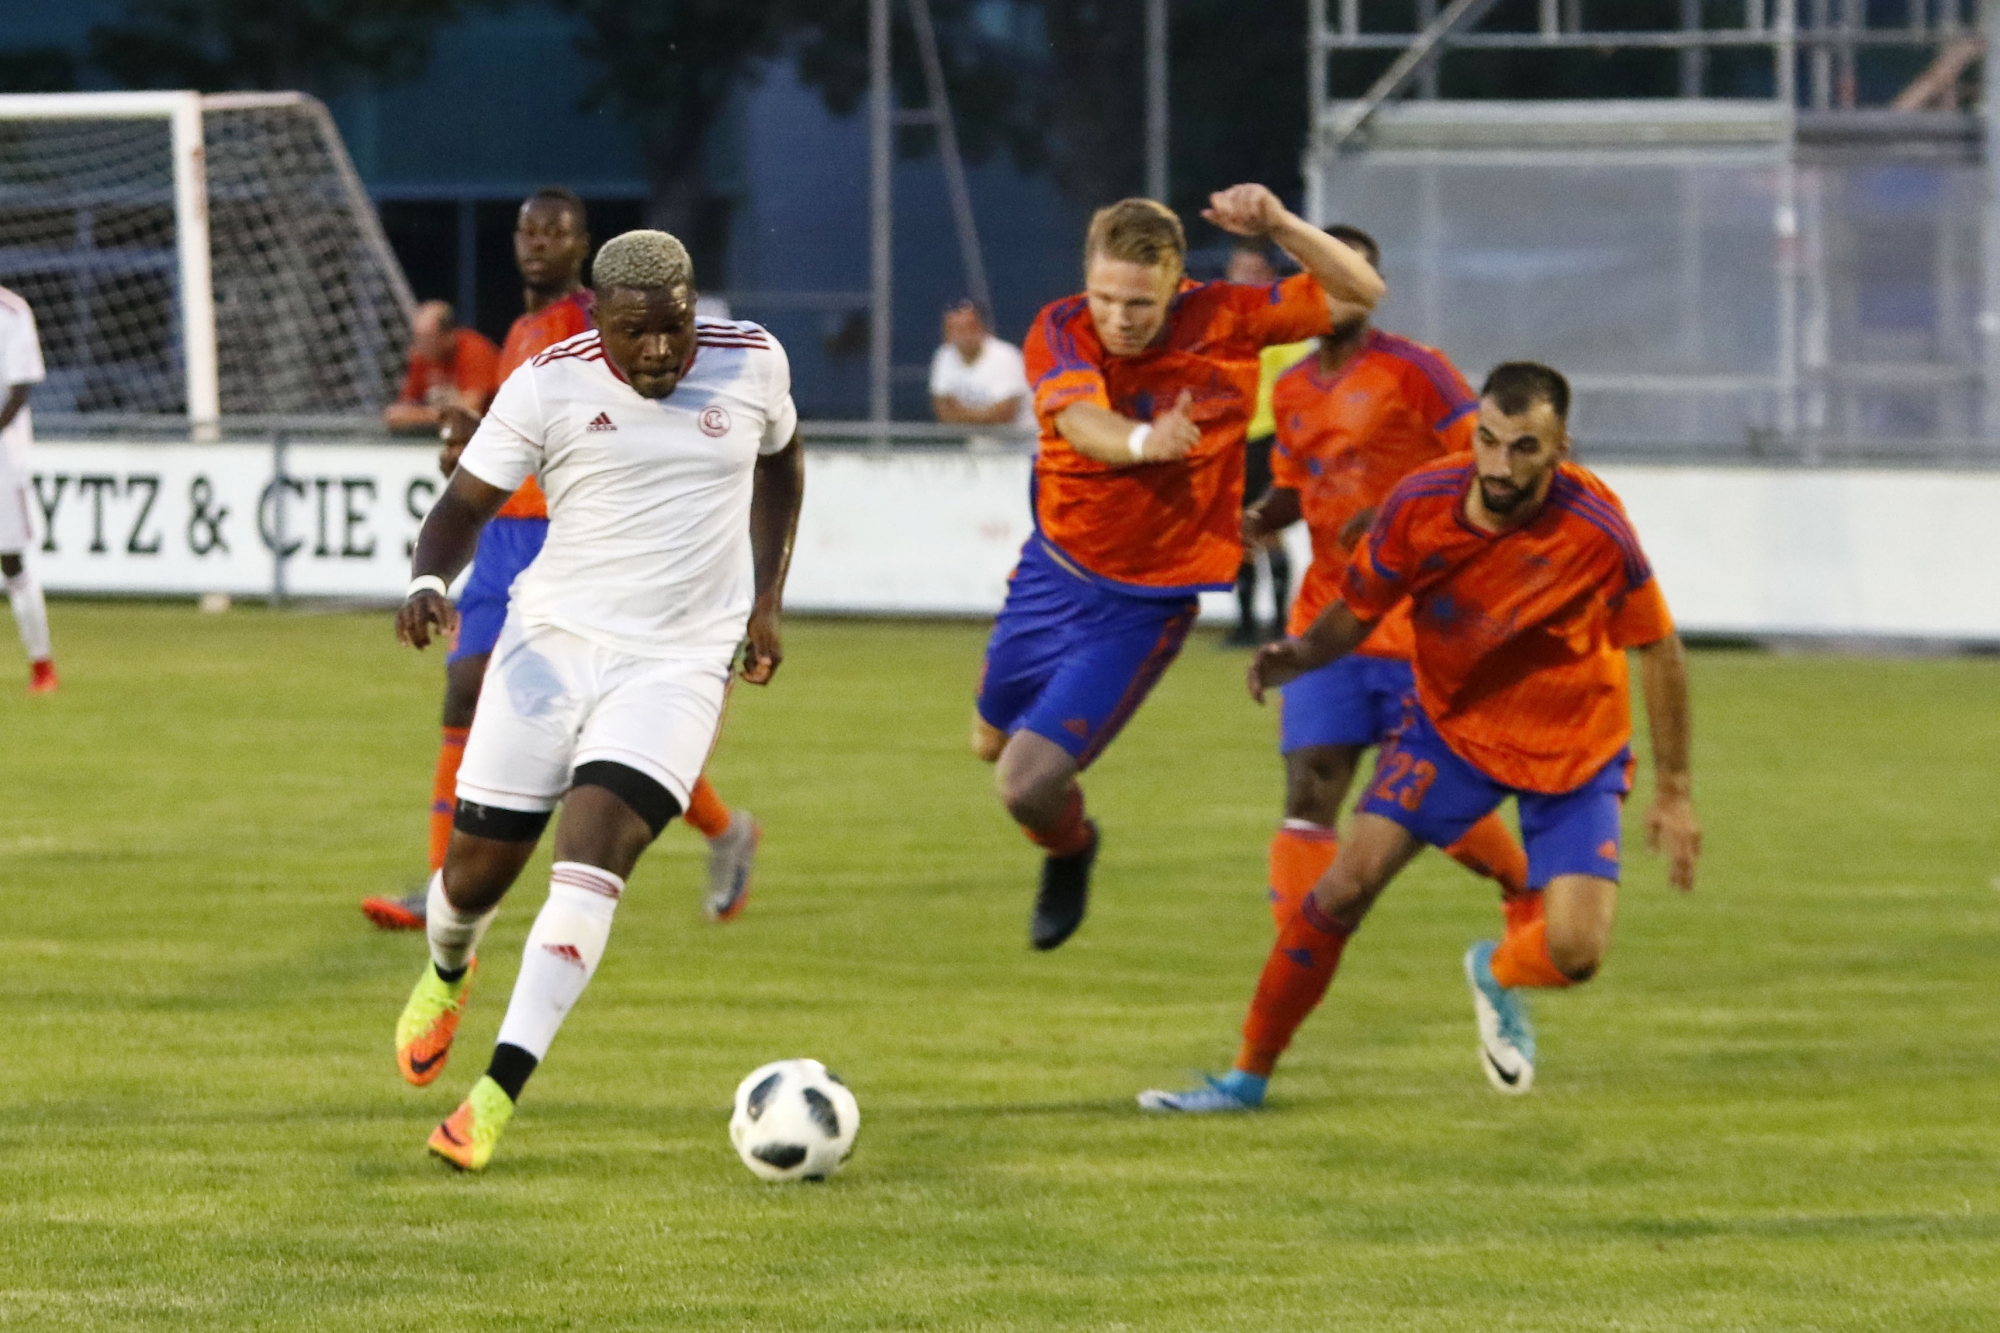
(602,421)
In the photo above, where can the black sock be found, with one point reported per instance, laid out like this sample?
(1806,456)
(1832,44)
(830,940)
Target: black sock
(1281,583)
(450,978)
(510,1069)
(1246,595)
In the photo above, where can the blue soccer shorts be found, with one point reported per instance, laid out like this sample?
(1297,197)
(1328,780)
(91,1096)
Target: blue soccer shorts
(506,547)
(1071,660)
(1354,700)
(1423,785)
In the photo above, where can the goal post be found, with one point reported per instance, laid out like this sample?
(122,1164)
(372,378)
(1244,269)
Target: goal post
(199,256)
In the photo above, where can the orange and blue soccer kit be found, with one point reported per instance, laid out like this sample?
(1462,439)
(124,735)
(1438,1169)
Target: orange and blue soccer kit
(1344,439)
(1521,683)
(1106,588)
(1521,690)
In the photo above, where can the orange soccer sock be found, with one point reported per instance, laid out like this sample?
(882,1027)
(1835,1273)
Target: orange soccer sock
(1523,959)
(1294,980)
(1300,853)
(444,791)
(706,814)
(1489,849)
(1070,833)
(1520,910)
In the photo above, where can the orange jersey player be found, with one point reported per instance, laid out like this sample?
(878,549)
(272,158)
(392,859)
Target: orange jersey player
(551,243)
(1143,387)
(1526,586)
(1352,419)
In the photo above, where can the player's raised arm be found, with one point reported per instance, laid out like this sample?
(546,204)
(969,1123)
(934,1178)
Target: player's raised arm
(777,491)
(444,548)
(1351,284)
(1671,826)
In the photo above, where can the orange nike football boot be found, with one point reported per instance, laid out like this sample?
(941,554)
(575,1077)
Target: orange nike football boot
(429,1022)
(467,1136)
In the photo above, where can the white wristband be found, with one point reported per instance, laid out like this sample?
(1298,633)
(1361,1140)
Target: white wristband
(426,583)
(1136,441)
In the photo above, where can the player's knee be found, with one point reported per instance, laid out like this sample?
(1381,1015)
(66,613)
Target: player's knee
(1576,954)
(987,740)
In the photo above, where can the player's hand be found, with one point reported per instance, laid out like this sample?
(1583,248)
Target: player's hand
(1253,532)
(1356,528)
(1671,828)
(1276,664)
(455,427)
(763,648)
(1174,432)
(424,615)
(1245,210)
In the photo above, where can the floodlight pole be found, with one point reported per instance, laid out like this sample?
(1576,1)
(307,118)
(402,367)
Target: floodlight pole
(1156,100)
(881,218)
(204,392)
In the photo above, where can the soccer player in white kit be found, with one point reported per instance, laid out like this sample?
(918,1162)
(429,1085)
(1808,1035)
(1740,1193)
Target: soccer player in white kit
(20,370)
(667,446)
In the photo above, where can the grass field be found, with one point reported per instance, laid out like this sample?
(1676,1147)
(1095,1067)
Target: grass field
(1775,1110)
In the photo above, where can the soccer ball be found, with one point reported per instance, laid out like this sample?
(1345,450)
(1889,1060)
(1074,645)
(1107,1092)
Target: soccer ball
(794,1120)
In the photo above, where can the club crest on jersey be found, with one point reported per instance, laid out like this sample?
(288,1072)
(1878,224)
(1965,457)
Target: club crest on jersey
(714,422)
(602,421)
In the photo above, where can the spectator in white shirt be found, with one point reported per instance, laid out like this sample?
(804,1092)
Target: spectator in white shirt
(977,379)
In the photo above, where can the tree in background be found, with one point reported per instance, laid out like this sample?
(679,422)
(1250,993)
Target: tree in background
(670,71)
(315,46)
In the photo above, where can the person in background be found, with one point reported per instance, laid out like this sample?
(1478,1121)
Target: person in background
(1250,264)
(976,378)
(20,370)
(450,367)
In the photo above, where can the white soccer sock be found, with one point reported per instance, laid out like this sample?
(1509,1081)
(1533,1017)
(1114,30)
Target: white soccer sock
(31,614)
(562,954)
(453,934)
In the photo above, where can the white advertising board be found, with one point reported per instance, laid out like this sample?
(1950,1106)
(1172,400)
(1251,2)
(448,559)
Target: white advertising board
(1739,551)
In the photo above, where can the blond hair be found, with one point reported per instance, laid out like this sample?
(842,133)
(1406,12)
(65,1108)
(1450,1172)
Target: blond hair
(1138,231)
(642,259)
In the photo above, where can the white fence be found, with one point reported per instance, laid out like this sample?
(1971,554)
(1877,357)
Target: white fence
(1838,552)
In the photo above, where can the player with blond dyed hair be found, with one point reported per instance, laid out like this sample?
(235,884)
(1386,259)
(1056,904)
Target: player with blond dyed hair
(1144,385)
(673,483)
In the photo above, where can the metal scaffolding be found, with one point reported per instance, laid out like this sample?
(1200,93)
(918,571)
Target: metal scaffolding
(1800,275)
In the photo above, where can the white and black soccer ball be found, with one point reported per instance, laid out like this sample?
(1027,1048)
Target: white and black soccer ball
(794,1120)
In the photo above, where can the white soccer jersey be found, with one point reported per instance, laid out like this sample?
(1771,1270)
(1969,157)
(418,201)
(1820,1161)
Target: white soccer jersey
(648,549)
(20,363)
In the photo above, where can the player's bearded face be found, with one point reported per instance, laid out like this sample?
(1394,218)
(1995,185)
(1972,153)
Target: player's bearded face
(1517,455)
(648,335)
(1128,301)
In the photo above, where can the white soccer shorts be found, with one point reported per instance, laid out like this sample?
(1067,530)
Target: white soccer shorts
(553,701)
(17,526)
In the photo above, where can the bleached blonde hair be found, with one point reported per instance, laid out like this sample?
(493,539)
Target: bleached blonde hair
(642,259)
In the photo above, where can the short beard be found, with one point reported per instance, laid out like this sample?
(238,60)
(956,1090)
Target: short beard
(1513,501)
(1347,330)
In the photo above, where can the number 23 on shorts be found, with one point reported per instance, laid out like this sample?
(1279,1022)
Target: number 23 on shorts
(1404,780)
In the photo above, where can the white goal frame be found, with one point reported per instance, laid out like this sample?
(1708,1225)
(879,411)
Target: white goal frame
(183,111)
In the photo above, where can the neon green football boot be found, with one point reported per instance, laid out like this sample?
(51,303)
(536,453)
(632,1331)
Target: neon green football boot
(466,1139)
(429,1022)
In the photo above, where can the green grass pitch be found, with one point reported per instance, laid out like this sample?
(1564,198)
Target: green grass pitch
(1775,1109)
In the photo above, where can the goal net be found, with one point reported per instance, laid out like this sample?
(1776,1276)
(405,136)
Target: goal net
(207,256)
